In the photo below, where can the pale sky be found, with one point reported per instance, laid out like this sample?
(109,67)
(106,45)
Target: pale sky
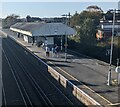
(59,0)
(50,9)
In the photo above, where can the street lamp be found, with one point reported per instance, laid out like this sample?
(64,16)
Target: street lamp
(118,73)
(111,51)
(66,34)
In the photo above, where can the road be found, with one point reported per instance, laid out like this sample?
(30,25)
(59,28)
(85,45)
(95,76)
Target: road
(26,80)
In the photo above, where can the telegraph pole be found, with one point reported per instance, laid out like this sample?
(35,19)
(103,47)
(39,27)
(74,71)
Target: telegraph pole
(66,34)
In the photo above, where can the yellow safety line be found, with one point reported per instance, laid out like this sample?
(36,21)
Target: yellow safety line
(115,104)
(82,83)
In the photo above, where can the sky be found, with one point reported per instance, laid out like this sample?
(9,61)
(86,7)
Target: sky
(50,9)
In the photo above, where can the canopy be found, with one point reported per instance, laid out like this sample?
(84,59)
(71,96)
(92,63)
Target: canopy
(42,29)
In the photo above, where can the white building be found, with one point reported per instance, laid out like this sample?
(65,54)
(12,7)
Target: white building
(106,26)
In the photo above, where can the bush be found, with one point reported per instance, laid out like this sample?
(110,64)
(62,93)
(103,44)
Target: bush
(94,51)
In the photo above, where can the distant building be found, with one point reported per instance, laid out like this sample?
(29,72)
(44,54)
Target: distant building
(105,28)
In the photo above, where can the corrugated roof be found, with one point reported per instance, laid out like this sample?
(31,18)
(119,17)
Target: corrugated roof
(45,29)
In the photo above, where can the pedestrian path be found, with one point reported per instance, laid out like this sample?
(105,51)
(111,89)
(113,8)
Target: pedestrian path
(91,72)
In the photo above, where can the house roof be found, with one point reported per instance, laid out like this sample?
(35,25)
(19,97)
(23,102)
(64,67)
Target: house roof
(42,29)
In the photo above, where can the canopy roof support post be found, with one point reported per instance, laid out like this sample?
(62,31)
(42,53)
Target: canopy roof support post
(33,40)
(61,44)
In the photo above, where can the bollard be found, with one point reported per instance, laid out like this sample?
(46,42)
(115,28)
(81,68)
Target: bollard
(109,78)
(117,69)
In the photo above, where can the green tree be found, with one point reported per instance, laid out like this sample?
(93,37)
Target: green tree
(75,20)
(10,20)
(109,15)
(86,23)
(87,31)
(94,8)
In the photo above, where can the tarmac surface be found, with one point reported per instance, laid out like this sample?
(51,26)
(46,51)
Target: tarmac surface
(90,72)
(26,80)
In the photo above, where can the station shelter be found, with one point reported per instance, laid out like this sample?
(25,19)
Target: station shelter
(34,32)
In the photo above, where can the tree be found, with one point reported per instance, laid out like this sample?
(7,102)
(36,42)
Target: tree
(109,15)
(33,19)
(94,8)
(28,18)
(10,20)
(87,31)
(87,22)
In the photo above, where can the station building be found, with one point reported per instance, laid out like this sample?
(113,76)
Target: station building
(34,32)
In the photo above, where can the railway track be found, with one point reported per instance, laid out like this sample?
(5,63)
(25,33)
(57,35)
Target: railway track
(33,82)
(23,88)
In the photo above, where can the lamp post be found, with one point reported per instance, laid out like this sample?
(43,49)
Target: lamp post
(66,34)
(111,51)
(118,74)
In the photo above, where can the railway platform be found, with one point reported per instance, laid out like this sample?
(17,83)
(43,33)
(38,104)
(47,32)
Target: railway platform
(89,74)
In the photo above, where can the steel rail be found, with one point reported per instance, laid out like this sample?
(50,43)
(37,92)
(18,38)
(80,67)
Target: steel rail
(4,96)
(44,74)
(34,83)
(15,78)
(20,83)
(49,79)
